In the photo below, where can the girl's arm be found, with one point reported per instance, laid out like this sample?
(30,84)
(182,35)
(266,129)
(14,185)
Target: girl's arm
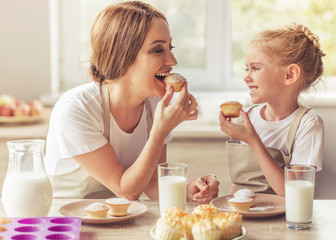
(246,133)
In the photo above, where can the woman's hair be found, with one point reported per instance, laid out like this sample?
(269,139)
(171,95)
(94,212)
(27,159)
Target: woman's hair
(117,36)
(293,44)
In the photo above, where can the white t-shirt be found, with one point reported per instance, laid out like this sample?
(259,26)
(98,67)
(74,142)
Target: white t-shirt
(308,141)
(77,127)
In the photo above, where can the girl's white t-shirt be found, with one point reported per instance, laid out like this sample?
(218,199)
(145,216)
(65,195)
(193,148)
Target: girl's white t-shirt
(308,141)
(77,127)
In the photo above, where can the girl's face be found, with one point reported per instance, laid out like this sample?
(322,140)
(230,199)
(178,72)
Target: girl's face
(153,62)
(264,79)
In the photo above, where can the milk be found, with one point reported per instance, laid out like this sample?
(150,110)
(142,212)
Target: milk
(26,195)
(172,192)
(299,200)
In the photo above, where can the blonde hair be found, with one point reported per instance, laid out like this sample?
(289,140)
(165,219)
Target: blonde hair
(117,36)
(293,44)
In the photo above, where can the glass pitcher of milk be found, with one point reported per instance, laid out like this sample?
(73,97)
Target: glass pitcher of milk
(26,191)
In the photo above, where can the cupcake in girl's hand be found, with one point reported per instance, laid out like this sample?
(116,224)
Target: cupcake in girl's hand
(231,109)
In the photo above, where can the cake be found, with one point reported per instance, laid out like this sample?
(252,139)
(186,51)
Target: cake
(230,224)
(117,206)
(205,210)
(245,192)
(175,80)
(231,109)
(205,222)
(97,210)
(241,204)
(206,229)
(170,226)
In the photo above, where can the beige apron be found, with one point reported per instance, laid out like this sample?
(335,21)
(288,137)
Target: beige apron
(79,183)
(244,168)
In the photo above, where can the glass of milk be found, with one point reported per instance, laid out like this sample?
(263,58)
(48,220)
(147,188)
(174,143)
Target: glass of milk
(299,190)
(172,185)
(26,191)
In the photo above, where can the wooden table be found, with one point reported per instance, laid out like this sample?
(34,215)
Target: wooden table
(324,223)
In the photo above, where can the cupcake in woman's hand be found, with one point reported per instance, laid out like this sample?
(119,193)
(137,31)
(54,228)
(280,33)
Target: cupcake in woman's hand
(175,80)
(118,206)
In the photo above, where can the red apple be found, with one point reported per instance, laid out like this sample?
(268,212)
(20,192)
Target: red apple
(36,107)
(21,109)
(7,110)
(7,100)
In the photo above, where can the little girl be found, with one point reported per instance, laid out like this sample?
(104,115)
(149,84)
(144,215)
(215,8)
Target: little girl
(279,131)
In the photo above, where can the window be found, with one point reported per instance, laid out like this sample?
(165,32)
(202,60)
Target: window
(210,36)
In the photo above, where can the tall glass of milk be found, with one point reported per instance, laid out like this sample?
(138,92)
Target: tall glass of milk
(299,190)
(26,191)
(172,185)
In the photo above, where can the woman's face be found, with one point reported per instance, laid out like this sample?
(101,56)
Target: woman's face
(264,79)
(154,59)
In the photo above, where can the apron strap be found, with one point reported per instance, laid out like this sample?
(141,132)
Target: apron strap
(106,112)
(292,131)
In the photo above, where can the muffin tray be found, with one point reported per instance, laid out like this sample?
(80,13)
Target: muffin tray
(60,228)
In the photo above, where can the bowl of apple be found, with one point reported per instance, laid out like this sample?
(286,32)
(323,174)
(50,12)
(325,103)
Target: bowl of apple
(13,110)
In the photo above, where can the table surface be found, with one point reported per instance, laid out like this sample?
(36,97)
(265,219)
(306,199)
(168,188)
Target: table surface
(324,224)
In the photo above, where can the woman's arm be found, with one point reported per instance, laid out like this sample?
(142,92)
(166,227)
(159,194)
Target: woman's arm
(130,183)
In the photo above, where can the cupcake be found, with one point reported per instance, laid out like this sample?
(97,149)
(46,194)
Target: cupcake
(245,192)
(175,80)
(205,210)
(188,221)
(117,206)
(206,229)
(230,224)
(170,226)
(241,204)
(231,109)
(97,210)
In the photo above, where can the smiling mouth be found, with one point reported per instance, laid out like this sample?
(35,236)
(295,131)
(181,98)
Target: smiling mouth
(161,76)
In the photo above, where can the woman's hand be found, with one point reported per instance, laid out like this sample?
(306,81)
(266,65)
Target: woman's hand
(244,132)
(168,116)
(203,190)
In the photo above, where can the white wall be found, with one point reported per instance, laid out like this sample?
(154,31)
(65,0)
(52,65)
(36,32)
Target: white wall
(24,48)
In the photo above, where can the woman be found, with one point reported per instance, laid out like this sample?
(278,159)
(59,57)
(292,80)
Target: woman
(131,46)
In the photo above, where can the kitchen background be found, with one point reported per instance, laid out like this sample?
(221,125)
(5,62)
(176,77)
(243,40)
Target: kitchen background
(26,73)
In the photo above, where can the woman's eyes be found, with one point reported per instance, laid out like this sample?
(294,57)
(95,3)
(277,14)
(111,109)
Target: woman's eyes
(161,49)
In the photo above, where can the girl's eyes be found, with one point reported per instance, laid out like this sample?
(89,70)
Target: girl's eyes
(254,68)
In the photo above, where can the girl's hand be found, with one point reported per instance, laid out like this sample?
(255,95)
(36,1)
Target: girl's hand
(244,132)
(168,116)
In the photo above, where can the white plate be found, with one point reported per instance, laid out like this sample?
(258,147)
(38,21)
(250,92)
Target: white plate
(77,209)
(265,205)
(153,229)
